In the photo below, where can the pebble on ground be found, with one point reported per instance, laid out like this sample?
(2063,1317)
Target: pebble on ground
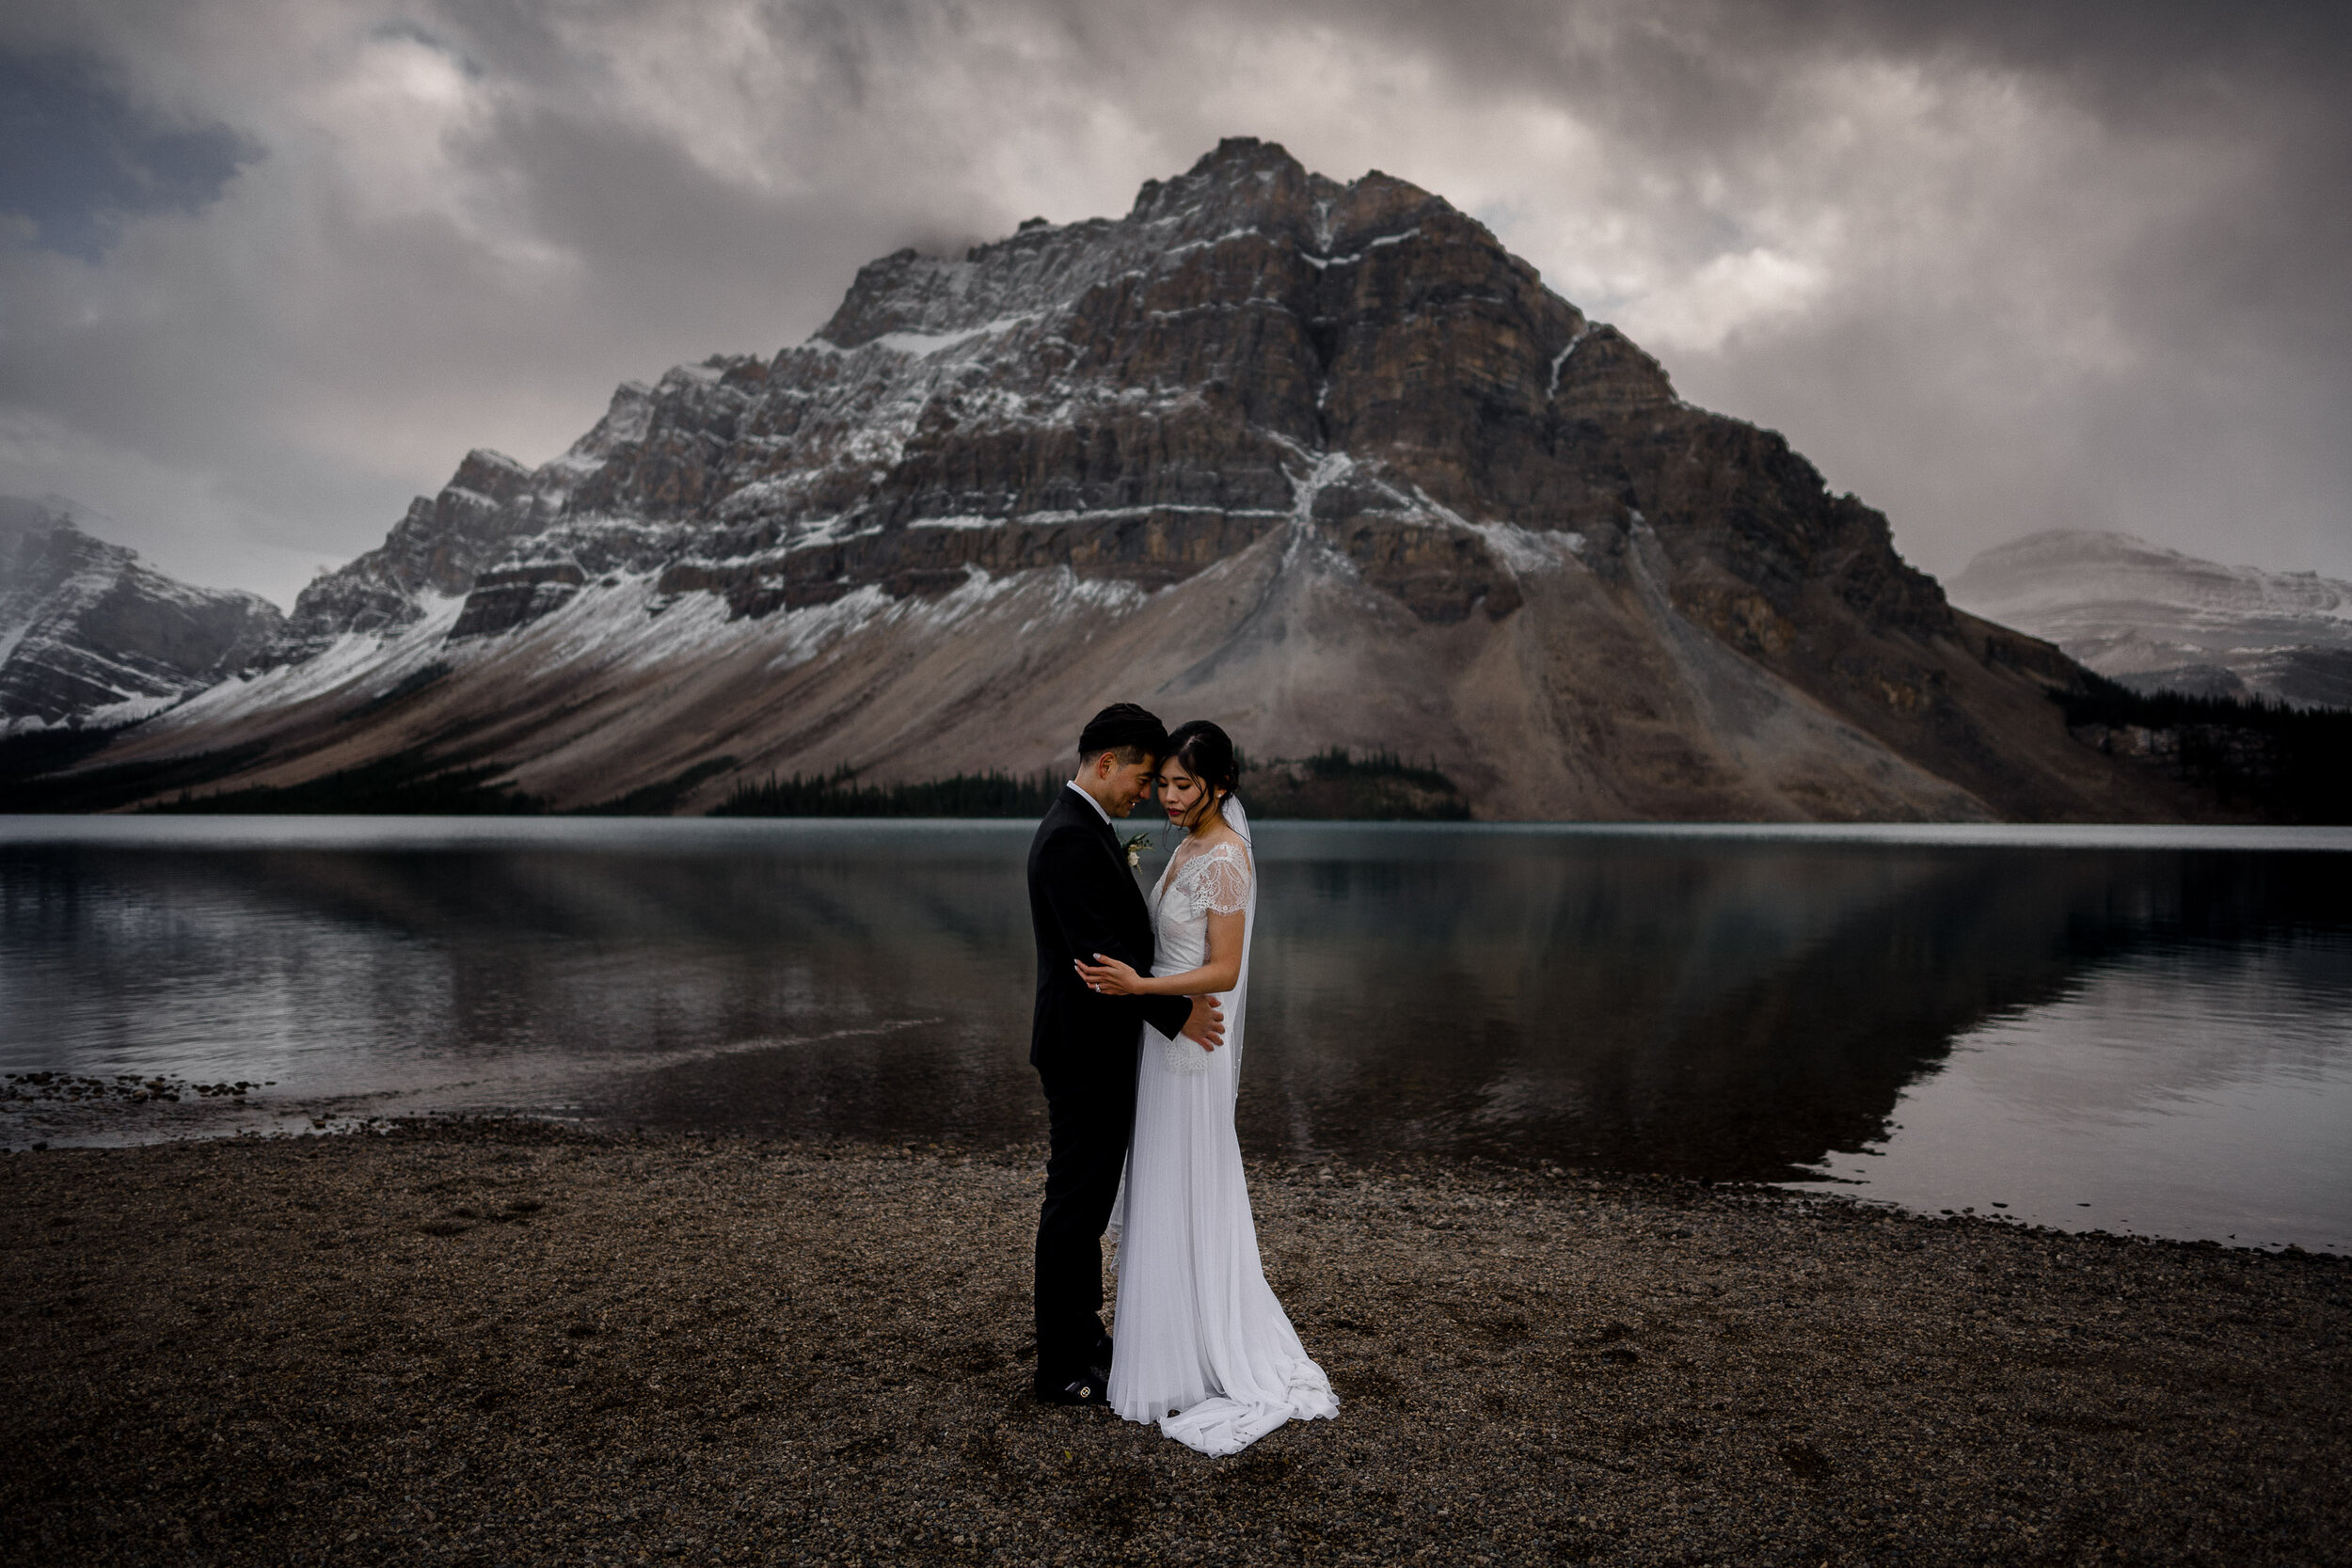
(505,1343)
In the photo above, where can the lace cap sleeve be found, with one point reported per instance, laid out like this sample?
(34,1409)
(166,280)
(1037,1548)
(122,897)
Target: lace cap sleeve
(1220,881)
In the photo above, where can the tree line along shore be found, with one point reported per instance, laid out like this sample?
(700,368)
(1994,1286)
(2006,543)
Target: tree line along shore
(2251,759)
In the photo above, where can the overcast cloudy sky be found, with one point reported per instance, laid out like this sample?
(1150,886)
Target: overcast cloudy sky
(269,267)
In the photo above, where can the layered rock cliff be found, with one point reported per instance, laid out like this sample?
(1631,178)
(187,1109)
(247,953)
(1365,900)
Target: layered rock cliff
(1324,462)
(89,635)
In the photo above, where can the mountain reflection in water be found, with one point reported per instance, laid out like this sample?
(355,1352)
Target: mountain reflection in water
(1718,1005)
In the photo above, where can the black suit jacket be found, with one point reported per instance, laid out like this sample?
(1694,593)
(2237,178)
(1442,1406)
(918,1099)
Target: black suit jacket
(1083,900)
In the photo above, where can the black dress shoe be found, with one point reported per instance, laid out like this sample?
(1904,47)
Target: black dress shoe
(1085,1388)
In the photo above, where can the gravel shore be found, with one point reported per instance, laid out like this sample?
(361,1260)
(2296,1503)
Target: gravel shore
(505,1343)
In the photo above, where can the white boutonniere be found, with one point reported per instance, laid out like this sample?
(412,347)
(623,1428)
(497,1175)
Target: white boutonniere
(1135,848)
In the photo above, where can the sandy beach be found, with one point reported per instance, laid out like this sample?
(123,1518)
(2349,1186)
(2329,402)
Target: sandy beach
(504,1343)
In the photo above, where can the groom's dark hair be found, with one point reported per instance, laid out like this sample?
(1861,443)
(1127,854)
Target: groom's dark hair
(1131,732)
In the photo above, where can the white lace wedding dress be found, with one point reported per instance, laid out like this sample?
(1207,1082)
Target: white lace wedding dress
(1203,1346)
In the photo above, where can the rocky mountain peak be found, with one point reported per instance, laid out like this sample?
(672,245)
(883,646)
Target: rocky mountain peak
(437,550)
(1242,182)
(1243,320)
(1156,390)
(1267,433)
(2159,620)
(88,634)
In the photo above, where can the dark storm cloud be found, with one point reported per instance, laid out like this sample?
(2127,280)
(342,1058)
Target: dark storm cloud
(78,158)
(1997,267)
(1690,72)
(2224,299)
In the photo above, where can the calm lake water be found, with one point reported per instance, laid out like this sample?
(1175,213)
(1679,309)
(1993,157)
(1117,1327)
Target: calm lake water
(2124,1029)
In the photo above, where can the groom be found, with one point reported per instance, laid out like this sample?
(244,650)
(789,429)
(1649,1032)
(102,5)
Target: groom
(1083,900)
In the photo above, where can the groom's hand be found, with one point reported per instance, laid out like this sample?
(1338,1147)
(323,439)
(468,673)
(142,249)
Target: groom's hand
(1205,1028)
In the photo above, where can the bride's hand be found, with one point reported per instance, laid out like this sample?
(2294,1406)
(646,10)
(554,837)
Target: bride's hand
(1205,1028)
(1108,975)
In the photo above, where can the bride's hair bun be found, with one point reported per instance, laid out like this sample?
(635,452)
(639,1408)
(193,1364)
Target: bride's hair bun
(1206,752)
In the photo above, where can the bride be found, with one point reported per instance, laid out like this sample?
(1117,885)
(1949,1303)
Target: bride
(1201,1345)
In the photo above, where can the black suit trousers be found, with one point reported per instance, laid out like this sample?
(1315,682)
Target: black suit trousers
(1089,1117)
(1083,900)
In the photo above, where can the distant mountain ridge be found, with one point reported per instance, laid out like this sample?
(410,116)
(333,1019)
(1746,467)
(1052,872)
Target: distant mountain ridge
(88,635)
(1321,461)
(2157,620)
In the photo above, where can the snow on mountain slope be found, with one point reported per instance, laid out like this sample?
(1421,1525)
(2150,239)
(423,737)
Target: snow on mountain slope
(89,636)
(2157,620)
(1321,461)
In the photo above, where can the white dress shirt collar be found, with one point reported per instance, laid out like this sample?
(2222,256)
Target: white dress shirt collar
(1092,804)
